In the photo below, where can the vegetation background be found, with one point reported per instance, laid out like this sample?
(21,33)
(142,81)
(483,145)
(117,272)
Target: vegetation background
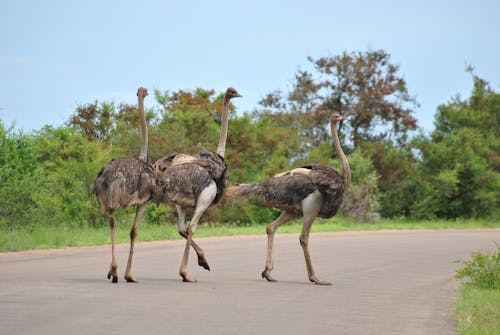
(398,171)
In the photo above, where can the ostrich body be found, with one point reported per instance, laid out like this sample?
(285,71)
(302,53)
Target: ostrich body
(196,182)
(309,191)
(127,182)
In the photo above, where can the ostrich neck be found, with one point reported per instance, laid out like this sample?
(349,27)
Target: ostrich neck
(221,148)
(343,159)
(143,153)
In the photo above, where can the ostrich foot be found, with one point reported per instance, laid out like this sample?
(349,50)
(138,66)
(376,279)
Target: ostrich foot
(319,282)
(131,279)
(266,275)
(186,278)
(203,262)
(112,273)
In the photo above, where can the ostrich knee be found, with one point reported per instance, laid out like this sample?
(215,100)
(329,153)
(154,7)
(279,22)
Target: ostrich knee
(182,232)
(133,233)
(304,240)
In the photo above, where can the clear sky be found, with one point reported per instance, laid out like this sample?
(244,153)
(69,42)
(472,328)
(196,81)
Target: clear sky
(55,55)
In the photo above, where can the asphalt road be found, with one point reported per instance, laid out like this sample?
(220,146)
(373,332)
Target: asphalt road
(386,282)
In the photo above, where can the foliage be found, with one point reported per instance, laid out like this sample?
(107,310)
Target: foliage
(478,305)
(363,86)
(459,174)
(70,163)
(54,170)
(46,175)
(105,122)
(189,119)
(482,270)
(396,166)
(361,200)
(93,120)
(18,176)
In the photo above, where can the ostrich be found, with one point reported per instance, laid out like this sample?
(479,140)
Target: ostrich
(127,182)
(308,191)
(196,182)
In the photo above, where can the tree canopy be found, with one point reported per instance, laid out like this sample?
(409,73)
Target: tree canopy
(363,86)
(454,172)
(460,166)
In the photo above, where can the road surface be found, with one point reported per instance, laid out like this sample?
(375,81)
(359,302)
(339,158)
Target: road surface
(384,282)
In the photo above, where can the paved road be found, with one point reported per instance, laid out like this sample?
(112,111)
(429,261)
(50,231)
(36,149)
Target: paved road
(386,282)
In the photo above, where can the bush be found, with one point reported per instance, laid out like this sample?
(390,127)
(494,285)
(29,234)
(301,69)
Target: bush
(482,270)
(159,215)
(459,167)
(361,201)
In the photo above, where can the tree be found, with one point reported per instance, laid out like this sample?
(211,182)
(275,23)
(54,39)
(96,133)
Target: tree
(93,120)
(396,166)
(189,118)
(459,175)
(364,86)
(18,176)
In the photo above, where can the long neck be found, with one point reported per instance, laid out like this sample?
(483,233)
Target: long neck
(221,148)
(143,154)
(343,159)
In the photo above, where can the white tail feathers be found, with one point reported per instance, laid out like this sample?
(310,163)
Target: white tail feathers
(243,190)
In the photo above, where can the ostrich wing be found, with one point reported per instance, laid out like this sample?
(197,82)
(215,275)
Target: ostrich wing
(184,183)
(187,169)
(286,192)
(288,189)
(124,182)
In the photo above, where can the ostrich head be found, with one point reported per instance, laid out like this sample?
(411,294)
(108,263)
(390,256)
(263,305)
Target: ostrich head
(232,93)
(335,117)
(142,92)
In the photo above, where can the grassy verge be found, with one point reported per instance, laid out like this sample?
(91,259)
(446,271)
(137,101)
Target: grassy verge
(478,311)
(478,305)
(45,237)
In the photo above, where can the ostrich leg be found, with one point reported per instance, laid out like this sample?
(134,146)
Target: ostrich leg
(133,234)
(310,208)
(202,261)
(304,242)
(271,229)
(204,200)
(113,267)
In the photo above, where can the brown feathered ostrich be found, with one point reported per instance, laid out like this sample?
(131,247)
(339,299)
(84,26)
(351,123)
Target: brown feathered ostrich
(127,182)
(309,191)
(196,182)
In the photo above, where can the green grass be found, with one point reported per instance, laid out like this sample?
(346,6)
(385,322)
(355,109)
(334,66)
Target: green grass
(478,311)
(46,237)
(478,305)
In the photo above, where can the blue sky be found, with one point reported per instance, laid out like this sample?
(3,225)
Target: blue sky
(55,55)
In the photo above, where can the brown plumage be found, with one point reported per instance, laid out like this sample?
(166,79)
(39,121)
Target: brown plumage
(196,182)
(127,182)
(186,176)
(309,191)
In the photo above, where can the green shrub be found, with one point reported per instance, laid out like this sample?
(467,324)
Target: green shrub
(361,200)
(482,270)
(159,215)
